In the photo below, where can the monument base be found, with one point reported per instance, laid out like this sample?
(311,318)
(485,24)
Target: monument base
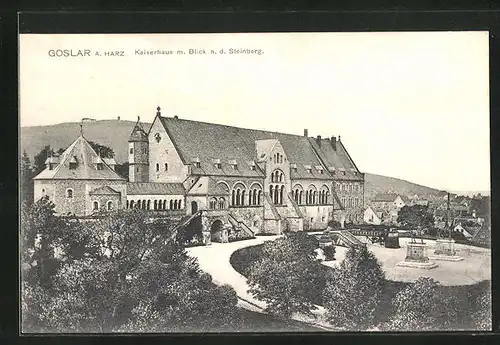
(443,257)
(416,257)
(418,264)
(445,250)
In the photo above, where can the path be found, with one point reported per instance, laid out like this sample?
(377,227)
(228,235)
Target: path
(215,260)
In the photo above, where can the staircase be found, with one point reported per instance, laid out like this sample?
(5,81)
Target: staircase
(348,239)
(240,225)
(186,220)
(270,204)
(295,206)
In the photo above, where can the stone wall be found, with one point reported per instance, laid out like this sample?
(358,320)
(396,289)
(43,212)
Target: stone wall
(81,202)
(138,161)
(252,216)
(316,217)
(152,198)
(164,152)
(200,200)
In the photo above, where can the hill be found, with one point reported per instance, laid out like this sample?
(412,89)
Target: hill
(115,133)
(383,184)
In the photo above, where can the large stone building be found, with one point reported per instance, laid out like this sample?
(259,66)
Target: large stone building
(239,181)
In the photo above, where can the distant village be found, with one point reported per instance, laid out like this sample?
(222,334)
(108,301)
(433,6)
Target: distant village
(464,215)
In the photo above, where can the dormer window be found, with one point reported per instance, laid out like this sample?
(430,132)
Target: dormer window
(100,166)
(217,163)
(73,163)
(293,166)
(196,162)
(308,168)
(234,164)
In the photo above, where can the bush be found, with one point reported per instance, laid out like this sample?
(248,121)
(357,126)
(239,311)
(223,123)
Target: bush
(423,306)
(353,290)
(287,275)
(329,252)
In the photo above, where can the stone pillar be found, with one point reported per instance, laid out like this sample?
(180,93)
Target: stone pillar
(224,235)
(206,238)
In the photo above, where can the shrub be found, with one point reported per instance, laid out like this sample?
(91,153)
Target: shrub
(287,275)
(353,290)
(329,252)
(423,306)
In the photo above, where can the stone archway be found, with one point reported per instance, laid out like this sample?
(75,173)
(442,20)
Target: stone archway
(194,207)
(216,231)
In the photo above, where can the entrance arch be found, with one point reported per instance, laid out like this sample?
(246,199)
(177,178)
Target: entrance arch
(194,207)
(216,231)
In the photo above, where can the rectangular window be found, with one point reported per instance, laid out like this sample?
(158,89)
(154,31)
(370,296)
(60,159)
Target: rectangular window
(72,166)
(131,150)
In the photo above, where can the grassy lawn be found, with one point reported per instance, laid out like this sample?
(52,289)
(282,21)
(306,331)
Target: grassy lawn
(466,295)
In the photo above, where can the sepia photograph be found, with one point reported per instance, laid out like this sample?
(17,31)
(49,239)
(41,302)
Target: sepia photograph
(254,182)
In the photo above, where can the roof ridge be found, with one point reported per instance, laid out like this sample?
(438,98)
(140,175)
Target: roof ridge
(222,125)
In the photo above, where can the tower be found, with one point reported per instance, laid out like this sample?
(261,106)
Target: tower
(138,154)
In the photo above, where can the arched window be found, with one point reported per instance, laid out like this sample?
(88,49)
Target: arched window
(155,205)
(213,203)
(95,206)
(143,204)
(242,203)
(166,166)
(222,203)
(69,193)
(157,167)
(233,197)
(271,192)
(259,195)
(171,204)
(148,205)
(164,205)
(282,192)
(131,203)
(179,204)
(127,204)
(301,201)
(237,197)
(175,204)
(110,205)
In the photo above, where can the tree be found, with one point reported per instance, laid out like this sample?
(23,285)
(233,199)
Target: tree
(287,276)
(415,216)
(423,307)
(482,315)
(40,158)
(329,252)
(102,150)
(124,272)
(353,290)
(26,176)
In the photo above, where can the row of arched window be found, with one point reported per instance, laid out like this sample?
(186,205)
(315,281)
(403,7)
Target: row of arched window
(311,196)
(155,205)
(351,202)
(217,204)
(278,158)
(276,192)
(239,197)
(165,166)
(277,176)
(96,206)
(348,186)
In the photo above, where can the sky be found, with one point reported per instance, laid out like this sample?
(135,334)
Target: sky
(410,105)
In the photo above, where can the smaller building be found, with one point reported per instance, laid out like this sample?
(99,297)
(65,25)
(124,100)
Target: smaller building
(80,182)
(389,201)
(375,216)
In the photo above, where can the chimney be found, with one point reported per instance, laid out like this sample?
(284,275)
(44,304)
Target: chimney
(318,140)
(305,132)
(138,118)
(176,117)
(334,143)
(118,118)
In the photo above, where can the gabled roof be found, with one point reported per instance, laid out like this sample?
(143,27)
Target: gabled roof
(208,141)
(337,161)
(84,159)
(385,197)
(207,186)
(104,191)
(154,188)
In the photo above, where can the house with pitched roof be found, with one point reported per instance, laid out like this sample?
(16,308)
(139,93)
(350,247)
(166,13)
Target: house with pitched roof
(237,180)
(80,182)
(264,181)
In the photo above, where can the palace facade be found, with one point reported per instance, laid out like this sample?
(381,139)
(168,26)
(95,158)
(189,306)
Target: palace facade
(240,181)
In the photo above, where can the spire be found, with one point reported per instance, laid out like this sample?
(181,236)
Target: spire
(158,111)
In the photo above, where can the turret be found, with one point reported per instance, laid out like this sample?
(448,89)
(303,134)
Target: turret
(138,154)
